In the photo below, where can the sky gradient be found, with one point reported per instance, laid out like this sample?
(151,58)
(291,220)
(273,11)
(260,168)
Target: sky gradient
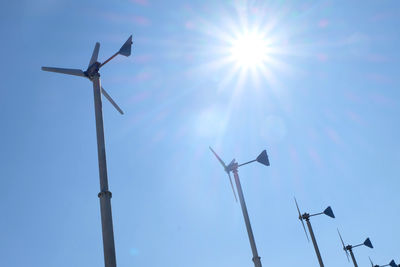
(325,105)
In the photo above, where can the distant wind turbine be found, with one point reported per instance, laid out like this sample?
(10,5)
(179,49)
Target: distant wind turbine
(306,216)
(349,248)
(392,263)
(233,167)
(92,73)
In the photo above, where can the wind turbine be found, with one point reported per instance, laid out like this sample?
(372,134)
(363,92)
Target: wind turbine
(233,167)
(391,264)
(92,73)
(306,216)
(349,248)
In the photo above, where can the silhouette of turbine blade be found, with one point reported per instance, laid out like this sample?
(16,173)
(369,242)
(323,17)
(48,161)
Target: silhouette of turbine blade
(233,189)
(76,72)
(219,159)
(95,54)
(344,247)
(104,92)
(301,219)
(372,264)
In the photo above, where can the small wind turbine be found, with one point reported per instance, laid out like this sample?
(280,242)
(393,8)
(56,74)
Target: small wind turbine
(92,73)
(306,216)
(349,248)
(233,167)
(391,264)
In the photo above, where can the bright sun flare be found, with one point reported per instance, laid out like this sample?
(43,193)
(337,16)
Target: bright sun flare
(249,50)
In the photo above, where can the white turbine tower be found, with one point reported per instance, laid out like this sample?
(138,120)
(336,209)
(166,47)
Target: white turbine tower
(92,73)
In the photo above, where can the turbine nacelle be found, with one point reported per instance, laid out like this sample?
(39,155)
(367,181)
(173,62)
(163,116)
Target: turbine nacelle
(92,70)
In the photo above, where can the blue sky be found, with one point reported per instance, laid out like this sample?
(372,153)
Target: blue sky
(325,105)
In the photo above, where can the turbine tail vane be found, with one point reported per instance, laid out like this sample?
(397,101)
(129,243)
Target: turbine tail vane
(126,48)
(263,158)
(368,243)
(233,189)
(328,211)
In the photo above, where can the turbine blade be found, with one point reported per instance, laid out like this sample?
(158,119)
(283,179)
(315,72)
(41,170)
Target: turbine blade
(103,91)
(95,54)
(301,219)
(233,189)
(297,208)
(344,248)
(219,159)
(372,264)
(76,72)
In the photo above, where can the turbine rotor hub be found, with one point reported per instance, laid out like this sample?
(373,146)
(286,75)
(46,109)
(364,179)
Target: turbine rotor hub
(93,70)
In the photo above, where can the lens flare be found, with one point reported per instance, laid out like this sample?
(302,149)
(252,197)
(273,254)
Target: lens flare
(249,50)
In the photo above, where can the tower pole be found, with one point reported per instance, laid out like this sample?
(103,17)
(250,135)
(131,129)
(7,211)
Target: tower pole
(353,258)
(314,242)
(256,258)
(105,194)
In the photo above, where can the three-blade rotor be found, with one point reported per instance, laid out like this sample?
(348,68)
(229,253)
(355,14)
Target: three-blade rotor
(94,67)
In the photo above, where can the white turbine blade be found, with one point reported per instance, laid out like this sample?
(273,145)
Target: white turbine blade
(219,159)
(301,219)
(95,54)
(111,100)
(76,72)
(233,189)
(372,264)
(344,248)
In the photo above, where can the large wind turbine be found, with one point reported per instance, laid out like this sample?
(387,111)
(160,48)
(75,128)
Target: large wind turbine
(306,216)
(233,167)
(92,73)
(349,248)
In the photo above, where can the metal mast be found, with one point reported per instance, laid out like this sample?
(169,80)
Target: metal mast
(92,73)
(105,194)
(314,241)
(256,259)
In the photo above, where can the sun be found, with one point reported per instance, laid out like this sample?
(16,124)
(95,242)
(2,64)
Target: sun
(249,50)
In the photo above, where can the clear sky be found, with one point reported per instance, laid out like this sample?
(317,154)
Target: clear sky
(322,98)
